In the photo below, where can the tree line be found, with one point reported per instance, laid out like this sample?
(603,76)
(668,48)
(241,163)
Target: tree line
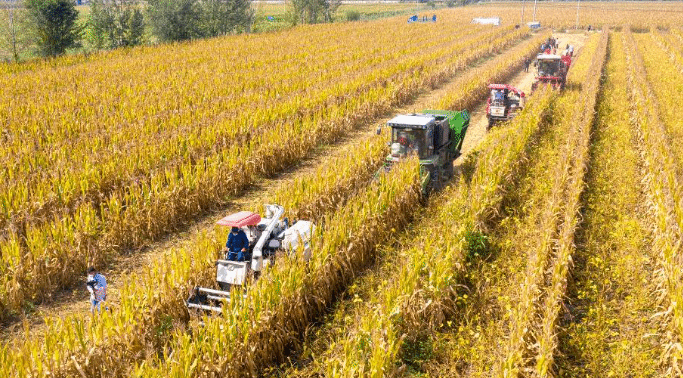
(51,27)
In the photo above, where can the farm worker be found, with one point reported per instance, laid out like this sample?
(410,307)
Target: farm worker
(527,61)
(97,286)
(434,18)
(237,244)
(499,96)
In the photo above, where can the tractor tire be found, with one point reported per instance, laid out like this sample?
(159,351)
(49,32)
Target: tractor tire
(437,179)
(490,125)
(448,170)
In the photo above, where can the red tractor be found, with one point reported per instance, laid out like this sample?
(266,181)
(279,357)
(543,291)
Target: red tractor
(504,103)
(551,70)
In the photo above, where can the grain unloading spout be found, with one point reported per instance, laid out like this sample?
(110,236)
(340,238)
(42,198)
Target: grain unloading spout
(274,212)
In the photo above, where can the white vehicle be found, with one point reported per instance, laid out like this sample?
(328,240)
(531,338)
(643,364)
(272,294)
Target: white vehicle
(266,237)
(486,21)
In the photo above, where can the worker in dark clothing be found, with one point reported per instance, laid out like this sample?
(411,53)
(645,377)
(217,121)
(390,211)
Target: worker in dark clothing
(237,245)
(527,62)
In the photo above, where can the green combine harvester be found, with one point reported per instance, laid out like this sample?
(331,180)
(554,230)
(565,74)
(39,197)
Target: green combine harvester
(435,136)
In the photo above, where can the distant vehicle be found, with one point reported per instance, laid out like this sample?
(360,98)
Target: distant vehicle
(425,18)
(486,21)
(534,25)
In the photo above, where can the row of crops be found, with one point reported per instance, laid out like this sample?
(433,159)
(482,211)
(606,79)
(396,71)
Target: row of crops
(476,283)
(70,346)
(120,173)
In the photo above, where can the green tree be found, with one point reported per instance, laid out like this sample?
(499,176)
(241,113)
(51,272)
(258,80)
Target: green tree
(53,23)
(115,23)
(220,17)
(313,11)
(175,20)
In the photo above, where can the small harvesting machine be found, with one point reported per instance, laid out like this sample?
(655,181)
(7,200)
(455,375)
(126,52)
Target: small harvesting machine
(504,103)
(551,69)
(266,237)
(435,136)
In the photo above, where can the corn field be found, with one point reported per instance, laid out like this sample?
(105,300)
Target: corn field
(555,251)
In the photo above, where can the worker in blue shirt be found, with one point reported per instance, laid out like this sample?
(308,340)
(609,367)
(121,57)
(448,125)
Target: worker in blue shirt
(97,286)
(237,244)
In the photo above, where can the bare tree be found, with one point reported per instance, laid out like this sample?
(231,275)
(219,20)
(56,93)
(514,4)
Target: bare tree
(13,33)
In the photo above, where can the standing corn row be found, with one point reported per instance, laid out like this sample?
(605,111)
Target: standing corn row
(149,301)
(540,224)
(564,245)
(665,201)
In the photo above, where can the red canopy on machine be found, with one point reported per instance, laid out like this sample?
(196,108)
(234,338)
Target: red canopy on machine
(508,87)
(241,219)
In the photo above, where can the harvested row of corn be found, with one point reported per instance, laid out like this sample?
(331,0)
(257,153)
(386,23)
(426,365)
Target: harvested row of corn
(255,331)
(62,250)
(664,199)
(614,293)
(540,226)
(370,346)
(152,301)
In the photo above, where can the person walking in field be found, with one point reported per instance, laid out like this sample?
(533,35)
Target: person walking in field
(97,286)
(527,62)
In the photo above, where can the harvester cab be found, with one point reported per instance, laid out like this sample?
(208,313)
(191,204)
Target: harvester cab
(266,236)
(552,70)
(435,136)
(504,103)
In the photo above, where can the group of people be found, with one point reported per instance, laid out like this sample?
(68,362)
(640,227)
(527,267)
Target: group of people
(550,46)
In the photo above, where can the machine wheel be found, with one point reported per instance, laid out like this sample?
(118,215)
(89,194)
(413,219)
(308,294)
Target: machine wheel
(437,179)
(448,170)
(491,122)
